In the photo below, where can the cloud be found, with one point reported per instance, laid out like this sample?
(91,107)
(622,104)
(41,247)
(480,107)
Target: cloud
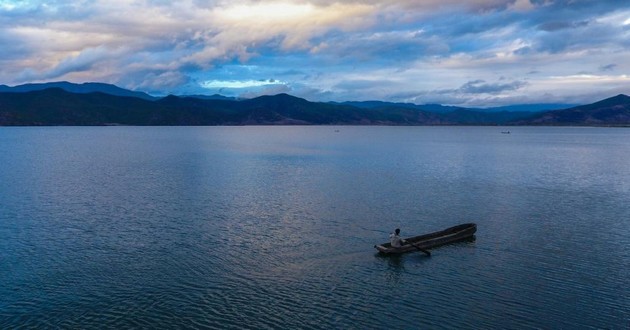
(326,49)
(402,45)
(241,29)
(481,87)
(245,88)
(213,84)
(608,67)
(187,33)
(83,61)
(560,25)
(162,82)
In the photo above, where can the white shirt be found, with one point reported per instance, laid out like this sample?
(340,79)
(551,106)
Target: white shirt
(395,240)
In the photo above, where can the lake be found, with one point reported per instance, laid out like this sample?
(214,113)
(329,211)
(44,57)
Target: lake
(274,227)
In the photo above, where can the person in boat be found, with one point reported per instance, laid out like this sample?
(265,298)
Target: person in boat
(395,240)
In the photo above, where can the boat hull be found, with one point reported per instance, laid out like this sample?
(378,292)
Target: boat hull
(432,240)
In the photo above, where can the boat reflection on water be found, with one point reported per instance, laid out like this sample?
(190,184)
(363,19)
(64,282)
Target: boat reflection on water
(396,269)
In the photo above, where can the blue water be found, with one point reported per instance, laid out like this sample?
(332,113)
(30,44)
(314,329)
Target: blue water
(274,227)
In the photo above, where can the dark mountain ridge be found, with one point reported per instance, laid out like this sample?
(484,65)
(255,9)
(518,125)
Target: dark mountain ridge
(535,107)
(84,88)
(57,106)
(614,111)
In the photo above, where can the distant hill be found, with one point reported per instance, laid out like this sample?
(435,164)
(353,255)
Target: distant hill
(537,107)
(377,104)
(83,88)
(614,111)
(210,97)
(57,106)
(284,109)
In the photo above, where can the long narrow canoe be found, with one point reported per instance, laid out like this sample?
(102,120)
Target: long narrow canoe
(428,241)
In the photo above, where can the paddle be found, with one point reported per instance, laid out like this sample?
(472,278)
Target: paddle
(421,249)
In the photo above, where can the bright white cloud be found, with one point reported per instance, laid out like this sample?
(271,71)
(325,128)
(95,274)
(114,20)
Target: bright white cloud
(240,30)
(214,84)
(267,12)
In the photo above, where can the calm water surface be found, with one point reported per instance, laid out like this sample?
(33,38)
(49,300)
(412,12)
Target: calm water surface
(274,227)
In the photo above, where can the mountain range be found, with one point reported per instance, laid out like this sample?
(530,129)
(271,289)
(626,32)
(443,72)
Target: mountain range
(83,88)
(445,108)
(64,103)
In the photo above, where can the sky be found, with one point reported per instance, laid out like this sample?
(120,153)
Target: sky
(466,53)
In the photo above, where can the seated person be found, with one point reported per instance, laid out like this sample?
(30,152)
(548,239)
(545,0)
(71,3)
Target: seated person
(395,239)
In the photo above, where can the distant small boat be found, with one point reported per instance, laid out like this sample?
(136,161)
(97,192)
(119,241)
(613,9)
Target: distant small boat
(505,132)
(432,240)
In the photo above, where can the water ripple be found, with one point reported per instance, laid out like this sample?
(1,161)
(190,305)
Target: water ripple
(211,228)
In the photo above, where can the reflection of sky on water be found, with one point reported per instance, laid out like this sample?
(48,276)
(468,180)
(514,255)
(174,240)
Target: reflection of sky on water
(263,223)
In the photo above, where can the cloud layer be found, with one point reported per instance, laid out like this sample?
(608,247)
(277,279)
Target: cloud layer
(478,52)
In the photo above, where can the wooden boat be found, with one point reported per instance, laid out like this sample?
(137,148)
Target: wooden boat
(428,241)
